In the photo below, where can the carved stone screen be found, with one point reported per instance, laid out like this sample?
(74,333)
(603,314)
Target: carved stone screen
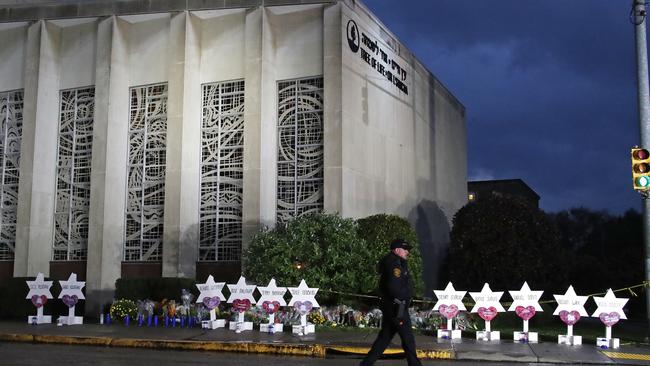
(222,166)
(11,118)
(300,147)
(73,174)
(146,173)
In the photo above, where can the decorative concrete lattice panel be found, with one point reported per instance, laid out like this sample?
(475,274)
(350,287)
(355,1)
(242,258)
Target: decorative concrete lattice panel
(73,174)
(222,168)
(11,118)
(145,200)
(300,148)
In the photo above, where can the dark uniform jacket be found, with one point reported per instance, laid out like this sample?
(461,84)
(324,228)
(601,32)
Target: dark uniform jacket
(394,281)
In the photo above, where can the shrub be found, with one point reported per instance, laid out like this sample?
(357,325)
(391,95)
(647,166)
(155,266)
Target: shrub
(505,242)
(324,249)
(378,231)
(123,307)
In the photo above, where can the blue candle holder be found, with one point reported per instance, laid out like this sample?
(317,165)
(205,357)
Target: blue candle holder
(148,320)
(108,319)
(127,320)
(182,321)
(174,321)
(155,321)
(166,321)
(140,320)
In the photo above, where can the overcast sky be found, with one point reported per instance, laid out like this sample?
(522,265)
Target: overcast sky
(549,87)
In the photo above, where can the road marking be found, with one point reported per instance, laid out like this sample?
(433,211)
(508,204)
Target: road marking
(627,356)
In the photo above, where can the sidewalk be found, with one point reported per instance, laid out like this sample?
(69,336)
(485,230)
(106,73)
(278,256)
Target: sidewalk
(321,344)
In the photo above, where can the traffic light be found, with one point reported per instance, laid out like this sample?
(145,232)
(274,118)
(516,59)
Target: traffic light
(640,169)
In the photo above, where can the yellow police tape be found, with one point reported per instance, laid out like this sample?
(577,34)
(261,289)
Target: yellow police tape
(643,286)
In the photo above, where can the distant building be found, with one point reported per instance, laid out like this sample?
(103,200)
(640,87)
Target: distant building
(481,189)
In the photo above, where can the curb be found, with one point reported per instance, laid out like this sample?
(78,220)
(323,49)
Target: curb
(422,353)
(308,350)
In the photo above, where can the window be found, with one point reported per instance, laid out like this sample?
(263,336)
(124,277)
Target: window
(73,174)
(300,147)
(145,200)
(222,169)
(11,119)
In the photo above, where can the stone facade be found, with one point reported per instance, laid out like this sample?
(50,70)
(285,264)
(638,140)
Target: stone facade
(209,121)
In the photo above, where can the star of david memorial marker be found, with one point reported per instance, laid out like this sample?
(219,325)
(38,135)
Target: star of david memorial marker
(525,303)
(39,293)
(270,302)
(303,300)
(610,311)
(449,304)
(70,295)
(241,298)
(487,306)
(570,307)
(211,296)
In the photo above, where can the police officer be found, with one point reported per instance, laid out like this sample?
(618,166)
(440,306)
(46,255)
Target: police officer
(395,290)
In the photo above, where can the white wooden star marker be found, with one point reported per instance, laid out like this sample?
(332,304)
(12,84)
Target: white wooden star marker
(571,302)
(210,289)
(487,298)
(525,297)
(39,287)
(272,293)
(610,303)
(449,296)
(241,291)
(303,293)
(72,287)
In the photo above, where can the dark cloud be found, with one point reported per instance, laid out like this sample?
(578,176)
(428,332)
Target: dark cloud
(549,86)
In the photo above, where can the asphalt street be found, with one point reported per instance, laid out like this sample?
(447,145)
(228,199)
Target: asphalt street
(24,354)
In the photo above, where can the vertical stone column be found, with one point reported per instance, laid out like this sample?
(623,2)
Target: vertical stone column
(37,184)
(332,113)
(32,57)
(268,141)
(108,179)
(173,247)
(252,126)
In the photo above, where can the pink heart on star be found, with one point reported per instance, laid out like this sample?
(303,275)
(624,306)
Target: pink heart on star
(303,307)
(569,318)
(241,305)
(525,312)
(487,314)
(70,301)
(271,307)
(39,301)
(609,319)
(211,302)
(448,311)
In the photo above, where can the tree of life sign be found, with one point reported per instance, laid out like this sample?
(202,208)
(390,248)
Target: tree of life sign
(39,293)
(211,296)
(450,302)
(70,295)
(271,300)
(303,300)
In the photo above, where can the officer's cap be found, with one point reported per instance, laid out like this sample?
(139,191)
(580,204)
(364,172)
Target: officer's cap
(400,243)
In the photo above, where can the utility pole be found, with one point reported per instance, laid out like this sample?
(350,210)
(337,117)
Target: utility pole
(638,18)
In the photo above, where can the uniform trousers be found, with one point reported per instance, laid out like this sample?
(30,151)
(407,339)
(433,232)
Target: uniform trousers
(389,327)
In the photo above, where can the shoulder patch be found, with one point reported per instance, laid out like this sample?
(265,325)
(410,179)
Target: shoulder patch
(397,272)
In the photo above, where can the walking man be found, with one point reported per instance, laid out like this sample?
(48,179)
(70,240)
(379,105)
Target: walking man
(395,289)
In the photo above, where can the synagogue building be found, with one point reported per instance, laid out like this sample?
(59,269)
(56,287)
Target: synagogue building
(153,138)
